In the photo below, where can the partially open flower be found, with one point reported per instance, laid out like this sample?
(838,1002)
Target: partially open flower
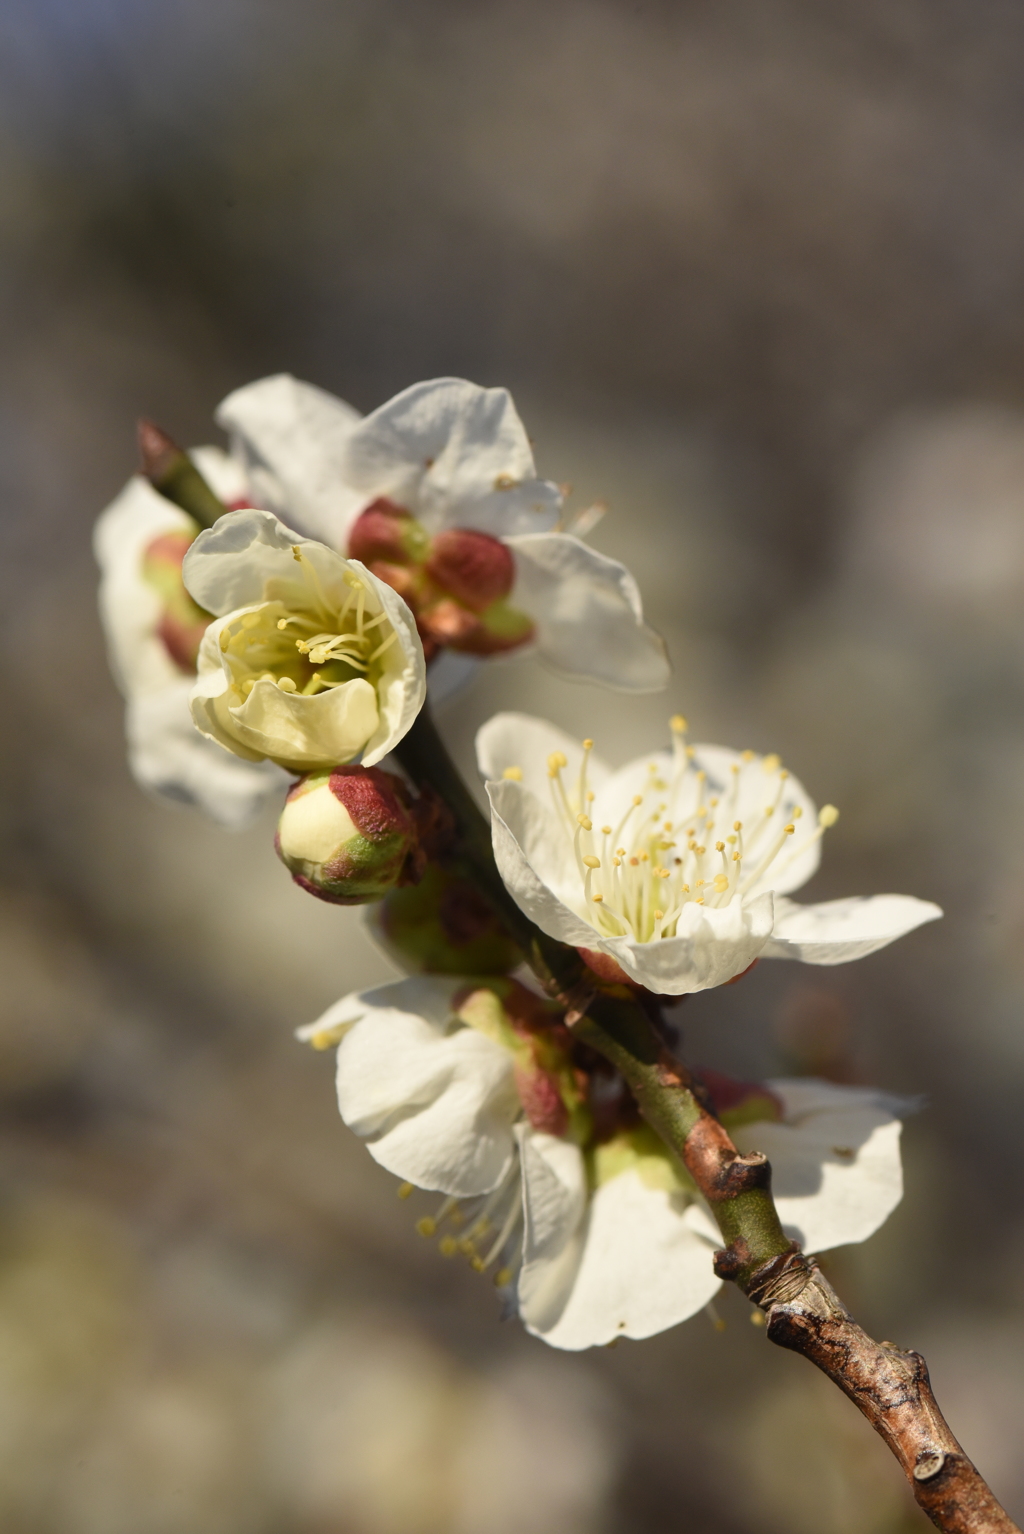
(443,926)
(312,660)
(592,1229)
(677,867)
(437,492)
(346,836)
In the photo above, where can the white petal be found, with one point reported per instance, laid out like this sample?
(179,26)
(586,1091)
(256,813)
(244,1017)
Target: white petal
(169,756)
(290,437)
(535,860)
(588,614)
(523,741)
(836,1171)
(130,608)
(455,455)
(435,1107)
(638,1265)
(835,931)
(233,563)
(712,945)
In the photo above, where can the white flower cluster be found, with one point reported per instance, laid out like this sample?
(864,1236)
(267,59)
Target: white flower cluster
(295,636)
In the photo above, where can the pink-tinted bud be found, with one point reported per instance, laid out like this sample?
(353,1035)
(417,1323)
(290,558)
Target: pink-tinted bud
(346,836)
(473,567)
(385,531)
(182,624)
(443,926)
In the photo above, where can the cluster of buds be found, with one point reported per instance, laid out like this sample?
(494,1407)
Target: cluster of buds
(456,583)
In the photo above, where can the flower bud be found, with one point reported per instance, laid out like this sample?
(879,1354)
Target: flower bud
(346,835)
(384,531)
(444,926)
(473,567)
(182,623)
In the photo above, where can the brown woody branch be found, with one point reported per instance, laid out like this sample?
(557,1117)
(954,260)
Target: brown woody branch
(888,1385)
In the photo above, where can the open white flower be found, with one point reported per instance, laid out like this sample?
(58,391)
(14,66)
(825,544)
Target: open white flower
(593,1237)
(153,631)
(312,661)
(447,458)
(677,867)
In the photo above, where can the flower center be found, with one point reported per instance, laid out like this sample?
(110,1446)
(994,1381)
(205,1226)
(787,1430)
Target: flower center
(678,842)
(311,648)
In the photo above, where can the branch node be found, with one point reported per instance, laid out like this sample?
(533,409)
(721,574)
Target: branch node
(782,1280)
(929,1463)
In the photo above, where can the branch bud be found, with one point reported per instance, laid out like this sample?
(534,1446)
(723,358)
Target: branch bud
(444,926)
(171,471)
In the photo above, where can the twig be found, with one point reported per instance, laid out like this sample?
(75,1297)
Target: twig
(890,1386)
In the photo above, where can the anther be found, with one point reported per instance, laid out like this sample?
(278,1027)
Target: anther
(404,1189)
(597,899)
(606,830)
(296,553)
(588,744)
(747,756)
(737,825)
(282,623)
(790,829)
(448,1246)
(659,915)
(828,815)
(638,799)
(513,774)
(585,821)
(426,1226)
(677,724)
(286,684)
(225,640)
(556,760)
(502,1277)
(719,846)
(634,862)
(591,862)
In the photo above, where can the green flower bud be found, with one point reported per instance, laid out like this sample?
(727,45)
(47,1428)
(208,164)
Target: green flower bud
(346,835)
(443,926)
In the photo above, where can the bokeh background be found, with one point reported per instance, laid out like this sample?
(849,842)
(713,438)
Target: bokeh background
(755,274)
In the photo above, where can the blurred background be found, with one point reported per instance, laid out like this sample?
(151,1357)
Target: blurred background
(755,275)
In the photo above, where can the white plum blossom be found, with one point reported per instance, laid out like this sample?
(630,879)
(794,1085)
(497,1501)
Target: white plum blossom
(311,660)
(152,633)
(451,458)
(593,1237)
(676,869)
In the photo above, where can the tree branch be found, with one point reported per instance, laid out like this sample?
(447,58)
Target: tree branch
(888,1385)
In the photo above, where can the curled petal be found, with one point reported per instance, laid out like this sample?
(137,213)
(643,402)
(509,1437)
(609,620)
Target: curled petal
(588,614)
(836,931)
(454,455)
(290,436)
(435,1107)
